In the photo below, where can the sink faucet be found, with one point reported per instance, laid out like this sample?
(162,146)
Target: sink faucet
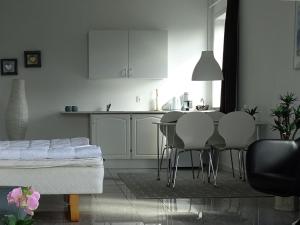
(108,107)
(202,100)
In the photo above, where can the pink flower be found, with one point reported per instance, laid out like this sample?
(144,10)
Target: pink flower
(32,202)
(35,194)
(15,196)
(26,198)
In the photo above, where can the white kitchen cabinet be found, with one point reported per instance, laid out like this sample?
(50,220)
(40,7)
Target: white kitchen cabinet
(112,133)
(144,136)
(125,136)
(148,54)
(128,54)
(108,54)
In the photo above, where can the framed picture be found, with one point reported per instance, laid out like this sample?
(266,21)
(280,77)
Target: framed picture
(297,36)
(9,67)
(32,59)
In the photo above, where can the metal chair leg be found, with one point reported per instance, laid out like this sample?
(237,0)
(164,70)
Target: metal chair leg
(240,163)
(211,165)
(217,167)
(232,163)
(174,165)
(192,162)
(243,166)
(201,166)
(175,172)
(162,157)
(169,167)
(297,222)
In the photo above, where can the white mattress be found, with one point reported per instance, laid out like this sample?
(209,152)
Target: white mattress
(50,163)
(73,148)
(57,175)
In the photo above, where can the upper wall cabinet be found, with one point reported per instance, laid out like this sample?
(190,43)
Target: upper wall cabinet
(128,54)
(108,54)
(148,54)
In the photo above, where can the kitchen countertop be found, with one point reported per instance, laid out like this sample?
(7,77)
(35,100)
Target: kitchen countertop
(116,112)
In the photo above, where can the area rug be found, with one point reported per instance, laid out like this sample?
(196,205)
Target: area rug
(145,185)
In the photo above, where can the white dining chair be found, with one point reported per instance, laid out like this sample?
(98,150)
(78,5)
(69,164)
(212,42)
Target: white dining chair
(216,138)
(236,128)
(194,129)
(172,140)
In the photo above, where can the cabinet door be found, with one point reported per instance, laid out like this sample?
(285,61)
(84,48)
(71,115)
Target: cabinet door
(108,54)
(112,134)
(148,54)
(144,136)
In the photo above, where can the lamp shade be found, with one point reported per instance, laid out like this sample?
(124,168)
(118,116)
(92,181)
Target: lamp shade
(207,69)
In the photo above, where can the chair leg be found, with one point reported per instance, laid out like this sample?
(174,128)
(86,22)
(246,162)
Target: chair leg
(232,163)
(217,167)
(201,166)
(243,166)
(169,169)
(162,157)
(192,162)
(211,165)
(297,222)
(240,164)
(176,166)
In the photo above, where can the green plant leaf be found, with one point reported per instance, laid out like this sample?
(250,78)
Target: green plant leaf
(9,220)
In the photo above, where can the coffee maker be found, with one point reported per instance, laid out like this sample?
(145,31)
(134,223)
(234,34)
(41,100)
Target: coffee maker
(187,104)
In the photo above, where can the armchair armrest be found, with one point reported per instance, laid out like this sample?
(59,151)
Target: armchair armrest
(273,157)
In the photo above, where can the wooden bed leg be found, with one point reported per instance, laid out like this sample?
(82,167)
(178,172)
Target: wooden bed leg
(74,207)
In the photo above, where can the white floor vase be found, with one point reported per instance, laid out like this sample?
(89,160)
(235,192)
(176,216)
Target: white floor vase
(17,111)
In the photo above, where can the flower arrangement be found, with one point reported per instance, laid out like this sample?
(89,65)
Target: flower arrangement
(26,199)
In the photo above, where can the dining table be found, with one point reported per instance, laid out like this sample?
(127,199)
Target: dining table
(159,143)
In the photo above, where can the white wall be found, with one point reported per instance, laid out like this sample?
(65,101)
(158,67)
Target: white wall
(59,29)
(266,55)
(266,58)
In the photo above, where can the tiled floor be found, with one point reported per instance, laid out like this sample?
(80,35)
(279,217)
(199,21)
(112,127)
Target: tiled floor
(118,206)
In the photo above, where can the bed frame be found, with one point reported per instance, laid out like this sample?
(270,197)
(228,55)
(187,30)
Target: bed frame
(63,182)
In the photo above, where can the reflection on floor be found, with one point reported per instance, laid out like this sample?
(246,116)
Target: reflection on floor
(118,206)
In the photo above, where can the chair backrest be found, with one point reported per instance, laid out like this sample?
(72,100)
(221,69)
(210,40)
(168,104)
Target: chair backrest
(216,116)
(216,138)
(170,117)
(194,129)
(236,128)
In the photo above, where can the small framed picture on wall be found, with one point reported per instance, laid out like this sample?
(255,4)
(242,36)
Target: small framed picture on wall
(32,59)
(9,67)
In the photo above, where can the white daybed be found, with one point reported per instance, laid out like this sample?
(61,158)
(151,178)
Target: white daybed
(59,166)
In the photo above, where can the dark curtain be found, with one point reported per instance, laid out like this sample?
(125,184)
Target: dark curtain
(229,92)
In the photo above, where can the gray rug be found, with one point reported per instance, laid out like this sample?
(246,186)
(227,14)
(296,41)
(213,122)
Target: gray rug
(145,185)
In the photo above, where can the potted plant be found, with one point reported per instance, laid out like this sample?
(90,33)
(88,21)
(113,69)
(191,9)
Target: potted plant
(252,111)
(287,117)
(26,199)
(287,122)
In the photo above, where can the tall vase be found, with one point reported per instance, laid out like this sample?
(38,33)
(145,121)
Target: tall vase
(17,111)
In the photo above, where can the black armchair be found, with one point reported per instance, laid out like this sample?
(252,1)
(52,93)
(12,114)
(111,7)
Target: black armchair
(273,167)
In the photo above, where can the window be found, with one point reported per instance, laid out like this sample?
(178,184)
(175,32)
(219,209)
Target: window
(218,42)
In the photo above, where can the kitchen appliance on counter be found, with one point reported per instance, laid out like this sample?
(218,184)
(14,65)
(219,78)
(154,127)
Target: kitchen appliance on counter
(186,103)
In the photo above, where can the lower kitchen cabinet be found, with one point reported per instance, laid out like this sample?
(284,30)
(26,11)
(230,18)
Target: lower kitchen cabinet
(112,133)
(144,136)
(125,136)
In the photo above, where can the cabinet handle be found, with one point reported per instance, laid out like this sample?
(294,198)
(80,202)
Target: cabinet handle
(129,72)
(124,72)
